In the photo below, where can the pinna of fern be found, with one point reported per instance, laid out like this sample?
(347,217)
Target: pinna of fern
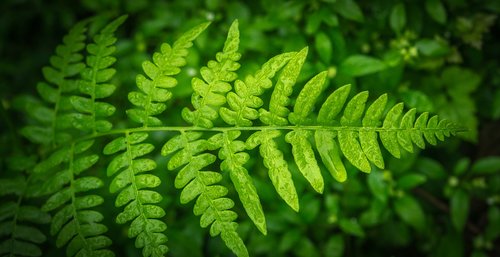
(54,116)
(20,234)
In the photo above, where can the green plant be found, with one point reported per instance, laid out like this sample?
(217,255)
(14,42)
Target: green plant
(228,117)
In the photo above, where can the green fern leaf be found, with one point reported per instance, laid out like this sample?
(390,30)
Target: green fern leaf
(60,84)
(306,99)
(358,142)
(404,135)
(214,209)
(303,155)
(75,223)
(330,154)
(420,124)
(233,162)
(189,153)
(228,117)
(132,183)
(273,158)
(94,82)
(351,148)
(245,99)
(348,142)
(429,136)
(389,135)
(150,100)
(274,161)
(333,105)
(301,148)
(368,139)
(209,95)
(209,92)
(18,233)
(278,110)
(324,139)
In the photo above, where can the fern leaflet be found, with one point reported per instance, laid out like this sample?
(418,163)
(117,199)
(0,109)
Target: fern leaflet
(18,219)
(93,83)
(153,94)
(75,223)
(211,203)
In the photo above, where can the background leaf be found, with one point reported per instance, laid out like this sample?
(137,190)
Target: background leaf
(436,10)
(459,209)
(360,65)
(397,19)
(410,211)
(349,9)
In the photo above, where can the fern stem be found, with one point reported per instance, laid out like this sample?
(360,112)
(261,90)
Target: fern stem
(257,128)
(254,128)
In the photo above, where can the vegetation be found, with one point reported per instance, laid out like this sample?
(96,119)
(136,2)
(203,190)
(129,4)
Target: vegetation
(291,128)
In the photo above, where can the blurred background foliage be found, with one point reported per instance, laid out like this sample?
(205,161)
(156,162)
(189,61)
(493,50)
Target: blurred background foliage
(440,56)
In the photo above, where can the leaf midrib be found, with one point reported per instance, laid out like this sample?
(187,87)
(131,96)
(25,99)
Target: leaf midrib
(258,128)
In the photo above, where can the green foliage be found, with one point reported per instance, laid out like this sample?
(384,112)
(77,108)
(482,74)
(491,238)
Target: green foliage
(76,224)
(398,18)
(19,221)
(260,127)
(66,65)
(131,182)
(436,10)
(93,82)
(154,90)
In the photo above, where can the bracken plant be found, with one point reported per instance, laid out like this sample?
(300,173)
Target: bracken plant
(228,117)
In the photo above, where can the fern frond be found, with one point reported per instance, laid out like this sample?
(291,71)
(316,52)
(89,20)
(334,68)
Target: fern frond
(245,99)
(19,234)
(94,82)
(228,118)
(131,182)
(210,93)
(153,89)
(75,223)
(189,153)
(55,115)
